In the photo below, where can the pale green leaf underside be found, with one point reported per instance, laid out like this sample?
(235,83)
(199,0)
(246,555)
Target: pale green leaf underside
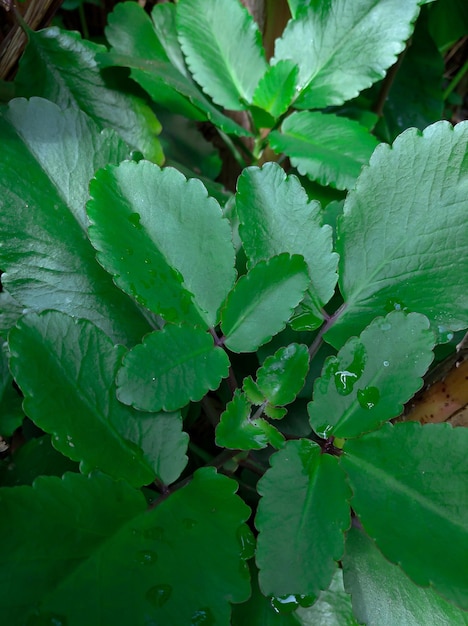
(303,511)
(413,480)
(282,374)
(372,376)
(170,368)
(222,47)
(325,147)
(403,237)
(349,46)
(88,547)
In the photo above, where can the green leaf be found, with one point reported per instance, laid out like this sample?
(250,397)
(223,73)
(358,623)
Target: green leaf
(412,479)
(223,49)
(88,547)
(325,147)
(262,301)
(10,311)
(350,46)
(60,66)
(282,375)
(372,376)
(407,213)
(277,88)
(48,261)
(150,229)
(301,518)
(66,369)
(11,413)
(238,431)
(384,596)
(171,367)
(289,223)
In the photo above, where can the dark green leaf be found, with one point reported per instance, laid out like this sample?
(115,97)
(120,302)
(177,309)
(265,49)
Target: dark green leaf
(412,480)
(325,147)
(276,89)
(48,261)
(408,213)
(301,519)
(448,21)
(384,596)
(11,413)
(372,377)
(350,45)
(89,550)
(10,311)
(262,301)
(171,367)
(165,241)
(282,375)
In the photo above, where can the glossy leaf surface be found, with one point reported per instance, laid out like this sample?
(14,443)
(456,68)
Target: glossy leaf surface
(351,46)
(47,259)
(262,301)
(325,147)
(158,249)
(372,376)
(413,479)
(11,413)
(301,518)
(408,213)
(282,375)
(171,367)
(227,67)
(276,89)
(383,595)
(62,559)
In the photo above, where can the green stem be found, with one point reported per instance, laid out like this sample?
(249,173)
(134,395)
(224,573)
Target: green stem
(455,80)
(317,342)
(203,454)
(83,22)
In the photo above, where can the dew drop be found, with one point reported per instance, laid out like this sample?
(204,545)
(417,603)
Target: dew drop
(368,397)
(146,557)
(284,604)
(306,601)
(159,595)
(202,617)
(324,430)
(134,219)
(386,363)
(346,377)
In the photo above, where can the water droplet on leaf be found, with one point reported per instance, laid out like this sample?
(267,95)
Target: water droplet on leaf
(134,219)
(247,542)
(284,604)
(202,617)
(146,557)
(346,377)
(368,397)
(159,595)
(386,363)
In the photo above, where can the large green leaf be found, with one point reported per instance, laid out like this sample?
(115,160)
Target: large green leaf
(276,216)
(164,240)
(325,147)
(60,66)
(384,596)
(301,518)
(11,413)
(412,480)
(350,46)
(89,552)
(171,367)
(404,234)
(262,301)
(66,370)
(223,49)
(372,376)
(48,157)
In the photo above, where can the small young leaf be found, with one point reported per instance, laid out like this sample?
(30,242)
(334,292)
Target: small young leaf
(301,518)
(251,390)
(351,45)
(171,367)
(157,247)
(89,547)
(408,212)
(325,147)
(223,49)
(382,594)
(276,89)
(372,377)
(289,223)
(282,375)
(262,301)
(413,479)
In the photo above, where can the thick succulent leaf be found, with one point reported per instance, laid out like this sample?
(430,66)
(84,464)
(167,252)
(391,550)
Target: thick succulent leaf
(283,374)
(301,518)
(11,413)
(350,46)
(413,480)
(171,367)
(277,88)
(372,376)
(60,66)
(223,49)
(262,301)
(89,547)
(66,370)
(289,223)
(164,240)
(237,430)
(382,594)
(404,233)
(325,147)
(47,258)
